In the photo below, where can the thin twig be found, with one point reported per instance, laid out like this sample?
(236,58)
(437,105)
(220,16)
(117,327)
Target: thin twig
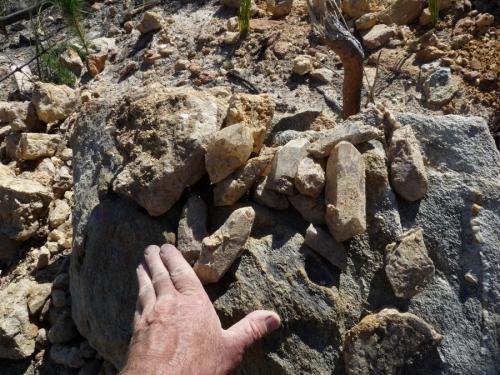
(18,68)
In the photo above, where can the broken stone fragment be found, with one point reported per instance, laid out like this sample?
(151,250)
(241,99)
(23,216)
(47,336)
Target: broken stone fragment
(401,12)
(311,209)
(279,8)
(408,267)
(345,192)
(302,65)
(192,228)
(322,242)
(285,164)
(96,63)
(163,146)
(310,178)
(21,116)
(72,61)
(267,197)
(151,21)
(222,248)
(384,342)
(228,150)
(382,215)
(58,212)
(22,203)
(353,132)
(17,333)
(53,102)
(33,146)
(38,294)
(407,171)
(232,188)
(378,36)
(255,111)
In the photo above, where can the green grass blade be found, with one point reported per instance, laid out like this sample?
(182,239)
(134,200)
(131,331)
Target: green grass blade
(244,18)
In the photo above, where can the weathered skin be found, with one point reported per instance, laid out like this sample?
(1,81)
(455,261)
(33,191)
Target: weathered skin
(176,328)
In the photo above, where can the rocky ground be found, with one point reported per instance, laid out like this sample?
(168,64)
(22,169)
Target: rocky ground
(375,238)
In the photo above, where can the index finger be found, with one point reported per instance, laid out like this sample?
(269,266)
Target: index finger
(181,273)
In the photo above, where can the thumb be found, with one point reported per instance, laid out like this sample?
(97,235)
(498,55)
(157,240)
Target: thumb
(252,328)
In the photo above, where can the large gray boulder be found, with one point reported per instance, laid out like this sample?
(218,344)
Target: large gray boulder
(317,302)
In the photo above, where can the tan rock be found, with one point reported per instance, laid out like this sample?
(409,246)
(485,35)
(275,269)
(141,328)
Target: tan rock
(311,209)
(53,102)
(192,228)
(267,197)
(22,203)
(353,132)
(322,242)
(21,116)
(302,65)
(180,127)
(151,21)
(285,164)
(425,17)
(279,8)
(323,75)
(231,37)
(228,150)
(37,295)
(255,111)
(366,21)
(72,61)
(408,267)
(345,192)
(378,36)
(33,146)
(356,8)
(310,177)
(17,333)
(233,187)
(407,171)
(385,342)
(401,12)
(58,212)
(223,247)
(484,20)
(96,63)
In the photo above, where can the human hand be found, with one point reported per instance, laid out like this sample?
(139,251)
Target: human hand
(176,328)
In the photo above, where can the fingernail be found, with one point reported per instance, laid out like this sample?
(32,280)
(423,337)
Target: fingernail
(166,248)
(149,250)
(272,323)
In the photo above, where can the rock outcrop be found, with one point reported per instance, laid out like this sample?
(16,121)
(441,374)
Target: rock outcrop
(318,303)
(163,146)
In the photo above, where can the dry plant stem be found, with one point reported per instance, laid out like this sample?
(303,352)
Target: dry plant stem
(22,14)
(352,61)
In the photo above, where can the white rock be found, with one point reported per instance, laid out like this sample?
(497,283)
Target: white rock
(310,177)
(228,150)
(285,164)
(345,192)
(322,242)
(223,247)
(302,65)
